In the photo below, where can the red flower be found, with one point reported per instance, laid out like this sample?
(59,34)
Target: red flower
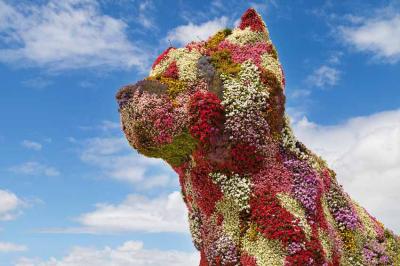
(251,19)
(274,221)
(161,57)
(301,258)
(207,193)
(206,113)
(247,260)
(203,259)
(172,71)
(245,159)
(274,177)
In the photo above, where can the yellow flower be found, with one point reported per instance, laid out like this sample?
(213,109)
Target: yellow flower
(266,251)
(295,208)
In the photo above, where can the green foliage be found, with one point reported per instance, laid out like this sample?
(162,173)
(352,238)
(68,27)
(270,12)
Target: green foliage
(174,153)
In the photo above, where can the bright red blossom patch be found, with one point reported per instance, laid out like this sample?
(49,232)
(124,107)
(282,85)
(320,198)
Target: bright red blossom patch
(172,71)
(206,112)
(274,221)
(251,19)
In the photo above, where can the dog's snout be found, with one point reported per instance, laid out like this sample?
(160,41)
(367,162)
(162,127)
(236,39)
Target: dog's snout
(150,86)
(124,94)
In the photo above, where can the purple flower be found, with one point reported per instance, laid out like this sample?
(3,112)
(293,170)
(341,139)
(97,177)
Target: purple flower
(306,184)
(345,216)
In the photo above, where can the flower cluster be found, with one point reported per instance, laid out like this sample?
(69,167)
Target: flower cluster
(224,251)
(156,116)
(274,221)
(374,253)
(245,105)
(306,187)
(235,187)
(195,228)
(206,113)
(245,159)
(214,110)
(253,20)
(251,52)
(247,260)
(341,210)
(205,191)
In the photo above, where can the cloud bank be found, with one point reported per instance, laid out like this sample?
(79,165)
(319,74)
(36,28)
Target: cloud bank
(191,32)
(378,35)
(139,213)
(365,153)
(65,35)
(128,254)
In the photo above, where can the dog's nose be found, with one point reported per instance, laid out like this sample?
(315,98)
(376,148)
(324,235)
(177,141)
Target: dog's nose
(151,86)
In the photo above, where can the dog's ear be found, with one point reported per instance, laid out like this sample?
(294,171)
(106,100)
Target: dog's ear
(250,30)
(253,20)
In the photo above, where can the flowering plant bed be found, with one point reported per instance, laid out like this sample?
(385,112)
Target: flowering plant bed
(214,110)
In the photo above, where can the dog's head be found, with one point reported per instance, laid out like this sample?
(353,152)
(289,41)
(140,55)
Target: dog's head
(228,89)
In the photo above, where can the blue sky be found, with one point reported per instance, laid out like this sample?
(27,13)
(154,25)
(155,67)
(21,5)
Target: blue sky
(65,167)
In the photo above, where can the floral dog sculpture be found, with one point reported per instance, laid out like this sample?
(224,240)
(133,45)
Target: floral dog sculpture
(214,111)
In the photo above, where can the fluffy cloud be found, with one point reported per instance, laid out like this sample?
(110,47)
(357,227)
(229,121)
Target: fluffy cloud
(129,253)
(6,247)
(32,145)
(65,35)
(191,32)
(34,168)
(117,160)
(365,153)
(135,213)
(138,213)
(9,205)
(324,76)
(379,35)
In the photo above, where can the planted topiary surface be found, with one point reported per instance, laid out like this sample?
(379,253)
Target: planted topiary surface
(215,111)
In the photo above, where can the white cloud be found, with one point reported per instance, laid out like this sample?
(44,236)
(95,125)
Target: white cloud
(34,168)
(117,160)
(129,253)
(6,247)
(9,205)
(66,35)
(37,83)
(32,145)
(191,32)
(144,18)
(324,76)
(379,35)
(335,57)
(105,125)
(299,93)
(365,153)
(136,213)
(109,125)
(261,7)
